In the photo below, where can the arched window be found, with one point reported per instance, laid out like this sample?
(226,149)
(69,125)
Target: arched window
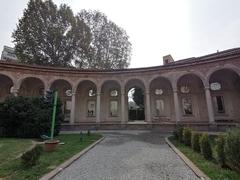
(91,92)
(113,93)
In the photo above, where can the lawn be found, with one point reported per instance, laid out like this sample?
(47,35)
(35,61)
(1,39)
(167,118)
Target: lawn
(210,168)
(11,168)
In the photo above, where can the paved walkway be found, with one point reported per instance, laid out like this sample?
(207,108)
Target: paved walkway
(129,155)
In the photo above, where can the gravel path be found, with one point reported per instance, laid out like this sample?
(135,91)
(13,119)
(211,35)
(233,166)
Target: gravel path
(129,155)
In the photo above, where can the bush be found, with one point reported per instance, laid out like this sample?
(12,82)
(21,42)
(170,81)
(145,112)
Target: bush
(232,147)
(205,147)
(187,136)
(220,141)
(88,132)
(195,142)
(31,157)
(27,117)
(178,132)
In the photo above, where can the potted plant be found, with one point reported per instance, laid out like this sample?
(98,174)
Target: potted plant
(51,144)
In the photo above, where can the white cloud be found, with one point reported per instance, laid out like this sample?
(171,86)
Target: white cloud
(183,28)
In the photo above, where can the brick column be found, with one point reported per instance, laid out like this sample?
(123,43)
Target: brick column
(176,105)
(148,108)
(73,104)
(209,105)
(123,106)
(98,108)
(14,91)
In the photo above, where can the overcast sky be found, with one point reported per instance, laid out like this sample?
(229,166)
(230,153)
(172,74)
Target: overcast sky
(182,28)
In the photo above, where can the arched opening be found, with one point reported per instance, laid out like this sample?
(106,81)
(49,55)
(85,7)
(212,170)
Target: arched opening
(5,87)
(86,102)
(31,87)
(192,98)
(225,92)
(135,100)
(64,89)
(110,101)
(161,98)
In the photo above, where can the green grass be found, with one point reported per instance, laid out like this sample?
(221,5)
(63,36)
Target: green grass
(210,168)
(12,168)
(11,148)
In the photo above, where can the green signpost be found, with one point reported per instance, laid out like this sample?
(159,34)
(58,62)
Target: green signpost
(54,113)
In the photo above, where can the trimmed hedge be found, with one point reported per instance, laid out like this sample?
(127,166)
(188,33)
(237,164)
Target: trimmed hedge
(26,117)
(195,142)
(220,143)
(31,157)
(232,147)
(205,146)
(178,133)
(187,132)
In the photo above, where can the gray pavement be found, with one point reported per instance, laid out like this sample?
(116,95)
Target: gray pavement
(129,155)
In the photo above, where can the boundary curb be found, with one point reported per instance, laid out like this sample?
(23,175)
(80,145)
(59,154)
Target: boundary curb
(187,161)
(68,162)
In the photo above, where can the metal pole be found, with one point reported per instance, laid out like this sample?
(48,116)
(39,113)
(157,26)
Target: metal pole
(54,113)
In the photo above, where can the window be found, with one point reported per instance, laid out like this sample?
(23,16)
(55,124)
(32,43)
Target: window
(113,108)
(114,93)
(215,86)
(219,104)
(91,109)
(91,93)
(68,105)
(159,107)
(187,106)
(158,91)
(184,89)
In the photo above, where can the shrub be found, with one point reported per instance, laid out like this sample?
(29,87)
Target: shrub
(187,136)
(195,142)
(88,132)
(177,133)
(31,157)
(232,147)
(220,141)
(27,117)
(205,146)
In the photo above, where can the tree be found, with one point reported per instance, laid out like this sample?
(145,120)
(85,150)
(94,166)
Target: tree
(110,47)
(138,97)
(48,35)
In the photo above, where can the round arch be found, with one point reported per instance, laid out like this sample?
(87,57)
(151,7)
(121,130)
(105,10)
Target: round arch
(86,101)
(191,94)
(134,82)
(5,86)
(66,81)
(115,81)
(225,87)
(31,86)
(135,112)
(111,100)
(24,77)
(80,81)
(161,78)
(196,74)
(161,99)
(226,67)
(62,86)
(8,76)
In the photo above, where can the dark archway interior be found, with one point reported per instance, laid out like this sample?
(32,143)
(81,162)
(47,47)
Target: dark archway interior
(31,87)
(136,108)
(62,86)
(5,86)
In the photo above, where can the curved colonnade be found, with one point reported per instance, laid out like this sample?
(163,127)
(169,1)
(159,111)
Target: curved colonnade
(204,89)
